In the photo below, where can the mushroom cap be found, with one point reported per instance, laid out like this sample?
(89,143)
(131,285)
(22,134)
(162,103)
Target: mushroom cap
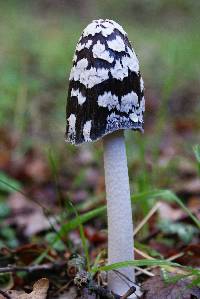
(106,90)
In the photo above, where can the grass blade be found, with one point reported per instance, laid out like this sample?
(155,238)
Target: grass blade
(8,184)
(196,150)
(71,225)
(83,238)
(137,263)
(74,223)
(166,195)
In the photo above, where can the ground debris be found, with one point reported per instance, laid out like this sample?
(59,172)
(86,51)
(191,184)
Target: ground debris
(40,289)
(158,288)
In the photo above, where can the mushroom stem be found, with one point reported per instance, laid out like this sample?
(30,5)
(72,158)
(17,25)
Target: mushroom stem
(120,224)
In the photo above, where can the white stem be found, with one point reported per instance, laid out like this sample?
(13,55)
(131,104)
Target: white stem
(120,224)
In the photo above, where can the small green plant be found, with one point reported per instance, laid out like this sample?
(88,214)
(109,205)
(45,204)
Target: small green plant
(185,232)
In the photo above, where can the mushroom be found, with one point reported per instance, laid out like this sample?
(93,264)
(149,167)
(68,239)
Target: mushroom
(105,97)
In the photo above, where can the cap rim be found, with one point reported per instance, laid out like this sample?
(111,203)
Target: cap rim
(134,127)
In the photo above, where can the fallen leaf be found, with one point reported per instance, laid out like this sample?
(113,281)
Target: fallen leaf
(157,288)
(194,205)
(8,141)
(37,169)
(191,256)
(188,186)
(27,215)
(40,289)
(186,168)
(184,125)
(32,167)
(168,212)
(95,236)
(27,253)
(166,249)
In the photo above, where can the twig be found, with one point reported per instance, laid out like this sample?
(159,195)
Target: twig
(123,277)
(5,294)
(143,254)
(132,289)
(146,218)
(146,256)
(144,271)
(171,258)
(33,268)
(128,293)
(175,256)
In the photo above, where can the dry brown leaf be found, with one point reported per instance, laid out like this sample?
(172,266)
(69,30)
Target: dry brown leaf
(168,212)
(95,236)
(40,289)
(13,294)
(34,167)
(157,288)
(186,168)
(191,186)
(27,215)
(191,256)
(27,253)
(7,145)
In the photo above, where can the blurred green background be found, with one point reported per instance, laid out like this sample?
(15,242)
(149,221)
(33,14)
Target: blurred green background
(37,41)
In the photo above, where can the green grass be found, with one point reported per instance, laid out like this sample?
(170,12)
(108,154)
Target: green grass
(196,150)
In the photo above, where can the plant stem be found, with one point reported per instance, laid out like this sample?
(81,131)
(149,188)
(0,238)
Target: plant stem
(120,224)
